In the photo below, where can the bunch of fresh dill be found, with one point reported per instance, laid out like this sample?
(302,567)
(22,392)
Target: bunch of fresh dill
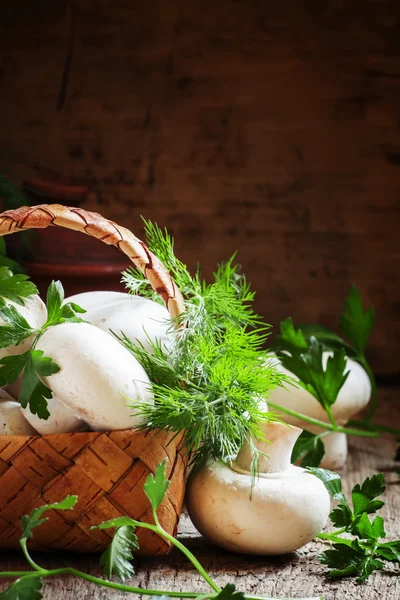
(212,382)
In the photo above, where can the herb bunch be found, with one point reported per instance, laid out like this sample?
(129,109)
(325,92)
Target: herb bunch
(32,363)
(116,560)
(211,383)
(300,350)
(363,552)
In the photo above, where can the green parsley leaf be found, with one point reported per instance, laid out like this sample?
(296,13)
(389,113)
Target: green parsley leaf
(156,486)
(117,522)
(365,530)
(57,312)
(309,449)
(331,481)
(350,561)
(16,328)
(323,383)
(25,588)
(116,559)
(290,337)
(16,288)
(363,497)
(33,391)
(329,339)
(11,368)
(357,557)
(30,522)
(344,560)
(342,515)
(390,551)
(229,592)
(355,322)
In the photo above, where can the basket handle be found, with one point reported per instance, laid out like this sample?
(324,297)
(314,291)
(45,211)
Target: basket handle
(93,224)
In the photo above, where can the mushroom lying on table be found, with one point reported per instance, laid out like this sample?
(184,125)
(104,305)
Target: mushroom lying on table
(352,398)
(284,511)
(140,319)
(12,422)
(98,378)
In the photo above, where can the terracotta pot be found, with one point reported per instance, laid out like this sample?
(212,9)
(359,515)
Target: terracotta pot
(77,260)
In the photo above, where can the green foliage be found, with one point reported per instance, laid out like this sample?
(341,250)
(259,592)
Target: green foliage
(24,588)
(17,288)
(309,449)
(35,519)
(290,338)
(16,328)
(32,363)
(212,382)
(156,486)
(229,592)
(33,391)
(5,261)
(57,312)
(356,323)
(116,559)
(360,555)
(324,383)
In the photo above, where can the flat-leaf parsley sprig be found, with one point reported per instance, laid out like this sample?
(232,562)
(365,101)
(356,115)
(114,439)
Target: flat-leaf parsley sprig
(303,356)
(116,560)
(32,363)
(211,384)
(363,552)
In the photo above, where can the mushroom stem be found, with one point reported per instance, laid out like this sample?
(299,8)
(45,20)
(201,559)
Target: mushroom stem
(275,448)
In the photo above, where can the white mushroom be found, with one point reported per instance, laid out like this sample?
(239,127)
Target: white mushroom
(352,398)
(62,419)
(12,421)
(285,510)
(98,376)
(140,319)
(35,313)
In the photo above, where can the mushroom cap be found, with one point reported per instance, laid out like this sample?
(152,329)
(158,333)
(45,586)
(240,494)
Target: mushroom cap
(285,511)
(140,319)
(62,419)
(98,376)
(352,398)
(35,313)
(12,422)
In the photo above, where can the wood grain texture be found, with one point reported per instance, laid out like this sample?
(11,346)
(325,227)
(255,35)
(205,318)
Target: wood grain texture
(294,575)
(272,128)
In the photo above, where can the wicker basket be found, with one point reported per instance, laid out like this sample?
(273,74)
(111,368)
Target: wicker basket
(107,470)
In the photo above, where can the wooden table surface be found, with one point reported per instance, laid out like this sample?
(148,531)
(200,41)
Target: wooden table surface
(291,576)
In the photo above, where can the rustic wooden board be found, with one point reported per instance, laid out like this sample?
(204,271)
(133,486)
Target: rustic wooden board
(268,127)
(294,575)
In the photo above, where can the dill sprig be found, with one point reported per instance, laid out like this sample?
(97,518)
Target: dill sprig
(212,382)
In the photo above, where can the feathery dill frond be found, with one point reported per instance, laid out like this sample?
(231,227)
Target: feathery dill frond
(212,382)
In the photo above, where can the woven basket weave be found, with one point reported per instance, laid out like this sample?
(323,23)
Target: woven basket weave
(106,470)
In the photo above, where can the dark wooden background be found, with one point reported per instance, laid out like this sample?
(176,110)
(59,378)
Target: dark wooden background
(268,127)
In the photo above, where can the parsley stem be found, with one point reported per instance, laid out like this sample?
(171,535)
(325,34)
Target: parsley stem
(375,427)
(157,528)
(330,415)
(31,562)
(328,426)
(128,588)
(331,537)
